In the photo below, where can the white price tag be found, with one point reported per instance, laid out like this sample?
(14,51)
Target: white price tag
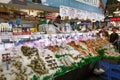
(8,45)
(0,40)
(2,47)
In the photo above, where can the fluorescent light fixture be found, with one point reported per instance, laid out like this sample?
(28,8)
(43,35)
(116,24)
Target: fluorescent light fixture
(118,0)
(5,1)
(110,16)
(116,12)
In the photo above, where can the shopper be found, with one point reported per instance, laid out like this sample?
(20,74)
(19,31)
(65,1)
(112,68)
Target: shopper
(114,37)
(103,29)
(104,33)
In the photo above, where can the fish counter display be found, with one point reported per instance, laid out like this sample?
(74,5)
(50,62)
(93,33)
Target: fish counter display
(30,62)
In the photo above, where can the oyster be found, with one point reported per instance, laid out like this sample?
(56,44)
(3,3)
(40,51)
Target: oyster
(38,66)
(27,51)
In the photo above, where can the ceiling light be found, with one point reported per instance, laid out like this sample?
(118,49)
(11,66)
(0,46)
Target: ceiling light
(118,0)
(116,12)
(110,16)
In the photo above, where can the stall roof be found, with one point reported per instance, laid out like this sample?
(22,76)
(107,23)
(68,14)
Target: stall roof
(35,6)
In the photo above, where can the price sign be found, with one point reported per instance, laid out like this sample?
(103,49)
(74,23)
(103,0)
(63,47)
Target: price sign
(14,50)
(2,48)
(8,45)
(6,58)
(0,40)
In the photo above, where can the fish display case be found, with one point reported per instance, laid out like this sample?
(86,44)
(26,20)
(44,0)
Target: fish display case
(57,56)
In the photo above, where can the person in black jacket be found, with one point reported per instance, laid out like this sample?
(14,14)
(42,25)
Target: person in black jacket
(114,37)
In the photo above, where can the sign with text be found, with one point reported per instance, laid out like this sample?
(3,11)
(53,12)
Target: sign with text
(115,19)
(90,2)
(73,13)
(21,2)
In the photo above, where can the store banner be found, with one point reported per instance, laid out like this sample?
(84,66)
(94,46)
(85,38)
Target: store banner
(115,19)
(20,2)
(73,13)
(5,1)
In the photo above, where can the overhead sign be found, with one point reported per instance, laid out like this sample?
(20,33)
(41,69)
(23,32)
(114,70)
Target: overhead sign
(21,2)
(5,1)
(90,2)
(73,13)
(115,19)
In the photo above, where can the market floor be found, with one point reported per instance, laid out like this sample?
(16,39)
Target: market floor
(94,77)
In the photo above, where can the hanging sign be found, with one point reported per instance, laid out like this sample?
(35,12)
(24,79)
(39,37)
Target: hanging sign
(90,2)
(21,2)
(80,14)
(115,19)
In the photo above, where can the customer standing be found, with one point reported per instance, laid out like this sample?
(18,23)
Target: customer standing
(114,37)
(104,33)
(9,22)
(103,29)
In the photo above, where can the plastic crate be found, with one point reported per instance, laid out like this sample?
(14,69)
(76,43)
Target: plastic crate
(115,72)
(105,66)
(112,71)
(114,76)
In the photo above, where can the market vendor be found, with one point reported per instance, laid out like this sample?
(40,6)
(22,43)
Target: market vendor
(18,21)
(9,22)
(50,28)
(58,23)
(114,37)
